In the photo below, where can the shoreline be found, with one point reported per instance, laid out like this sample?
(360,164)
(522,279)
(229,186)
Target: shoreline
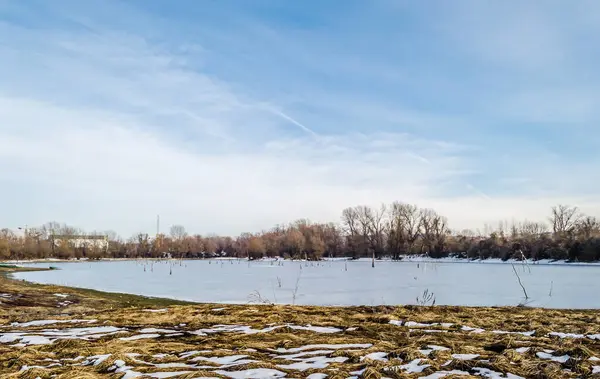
(405,259)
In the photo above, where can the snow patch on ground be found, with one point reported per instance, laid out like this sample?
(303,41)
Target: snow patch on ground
(441,374)
(259,373)
(549,356)
(413,367)
(140,337)
(49,322)
(324,346)
(378,356)
(487,373)
(465,357)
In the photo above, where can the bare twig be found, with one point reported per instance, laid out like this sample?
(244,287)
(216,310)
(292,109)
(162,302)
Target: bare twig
(295,292)
(256,297)
(426,298)
(520,283)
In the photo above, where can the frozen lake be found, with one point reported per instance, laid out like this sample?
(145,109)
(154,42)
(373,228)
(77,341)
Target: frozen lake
(334,282)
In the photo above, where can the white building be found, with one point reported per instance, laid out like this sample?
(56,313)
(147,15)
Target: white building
(88,242)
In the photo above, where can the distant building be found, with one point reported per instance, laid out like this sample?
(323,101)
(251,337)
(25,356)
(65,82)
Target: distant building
(82,241)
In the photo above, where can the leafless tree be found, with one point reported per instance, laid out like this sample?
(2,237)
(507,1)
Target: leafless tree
(434,231)
(535,229)
(588,227)
(564,218)
(177,232)
(404,228)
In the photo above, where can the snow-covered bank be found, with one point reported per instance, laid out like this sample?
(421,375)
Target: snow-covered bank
(406,258)
(427,259)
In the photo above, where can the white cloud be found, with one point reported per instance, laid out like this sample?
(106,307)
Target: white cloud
(105,129)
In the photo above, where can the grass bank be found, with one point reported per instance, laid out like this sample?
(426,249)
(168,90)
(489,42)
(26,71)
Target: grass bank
(79,333)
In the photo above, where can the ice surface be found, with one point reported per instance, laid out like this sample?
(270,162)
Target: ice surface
(317,376)
(522,350)
(198,280)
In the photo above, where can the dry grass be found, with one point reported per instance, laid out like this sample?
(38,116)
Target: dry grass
(28,302)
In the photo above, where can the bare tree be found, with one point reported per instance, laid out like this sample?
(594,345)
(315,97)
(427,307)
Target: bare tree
(564,218)
(434,231)
(177,232)
(404,228)
(530,228)
(588,227)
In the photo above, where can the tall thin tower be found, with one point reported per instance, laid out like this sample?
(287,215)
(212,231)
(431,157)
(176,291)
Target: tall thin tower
(157,225)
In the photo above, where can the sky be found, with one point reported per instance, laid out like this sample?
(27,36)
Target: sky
(230,116)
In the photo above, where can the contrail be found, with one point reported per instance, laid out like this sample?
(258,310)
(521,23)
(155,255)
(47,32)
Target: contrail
(301,126)
(478,191)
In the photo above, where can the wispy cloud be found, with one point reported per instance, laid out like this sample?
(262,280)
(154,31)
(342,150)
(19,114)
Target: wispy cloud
(106,121)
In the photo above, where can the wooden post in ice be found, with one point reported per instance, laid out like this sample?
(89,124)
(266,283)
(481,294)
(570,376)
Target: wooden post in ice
(373,260)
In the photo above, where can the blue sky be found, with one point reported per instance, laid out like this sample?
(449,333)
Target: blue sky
(230,116)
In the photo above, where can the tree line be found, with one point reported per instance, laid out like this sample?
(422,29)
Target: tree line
(395,230)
